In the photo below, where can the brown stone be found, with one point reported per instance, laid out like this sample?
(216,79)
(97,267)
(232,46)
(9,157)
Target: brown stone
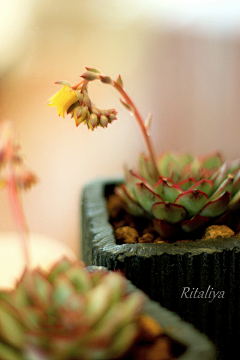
(126,234)
(217,232)
(158,240)
(146,238)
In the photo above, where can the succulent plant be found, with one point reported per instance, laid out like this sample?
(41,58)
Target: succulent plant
(179,192)
(188,194)
(68,313)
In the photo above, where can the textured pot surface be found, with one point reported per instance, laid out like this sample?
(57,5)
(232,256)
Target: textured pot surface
(195,345)
(165,271)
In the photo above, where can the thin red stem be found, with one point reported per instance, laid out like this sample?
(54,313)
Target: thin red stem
(137,117)
(19,218)
(75,87)
(141,125)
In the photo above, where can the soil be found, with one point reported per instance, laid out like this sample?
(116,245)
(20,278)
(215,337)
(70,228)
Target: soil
(130,229)
(153,343)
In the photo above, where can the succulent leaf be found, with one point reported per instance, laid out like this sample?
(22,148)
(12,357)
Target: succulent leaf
(222,173)
(79,279)
(167,191)
(195,223)
(236,183)
(131,204)
(187,183)
(63,82)
(216,207)
(165,229)
(212,161)
(127,106)
(93,70)
(169,212)
(203,185)
(119,81)
(234,204)
(192,200)
(146,197)
(10,328)
(226,185)
(8,353)
(145,170)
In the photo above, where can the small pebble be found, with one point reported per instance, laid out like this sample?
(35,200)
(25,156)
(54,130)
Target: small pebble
(217,232)
(126,234)
(146,238)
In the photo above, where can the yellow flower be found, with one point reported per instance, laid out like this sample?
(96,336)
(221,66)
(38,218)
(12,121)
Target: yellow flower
(63,99)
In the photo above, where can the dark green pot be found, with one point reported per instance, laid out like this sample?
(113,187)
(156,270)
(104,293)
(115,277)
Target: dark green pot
(164,270)
(189,343)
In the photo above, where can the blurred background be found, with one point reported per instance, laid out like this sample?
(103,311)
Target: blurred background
(178,60)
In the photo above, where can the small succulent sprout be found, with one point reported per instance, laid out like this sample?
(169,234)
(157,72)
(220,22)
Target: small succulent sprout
(193,191)
(69,313)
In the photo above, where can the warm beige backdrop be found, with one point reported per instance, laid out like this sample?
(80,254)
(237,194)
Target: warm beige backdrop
(181,65)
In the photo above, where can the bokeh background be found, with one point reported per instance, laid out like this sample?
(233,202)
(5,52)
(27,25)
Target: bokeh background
(178,60)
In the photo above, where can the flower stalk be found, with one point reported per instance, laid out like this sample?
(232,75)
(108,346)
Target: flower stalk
(14,175)
(19,218)
(142,126)
(84,111)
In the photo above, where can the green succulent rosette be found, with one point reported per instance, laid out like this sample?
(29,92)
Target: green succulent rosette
(68,313)
(190,193)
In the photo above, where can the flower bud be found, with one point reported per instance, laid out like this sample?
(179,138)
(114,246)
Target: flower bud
(96,111)
(104,112)
(112,117)
(72,107)
(90,76)
(112,111)
(93,121)
(103,120)
(80,114)
(106,80)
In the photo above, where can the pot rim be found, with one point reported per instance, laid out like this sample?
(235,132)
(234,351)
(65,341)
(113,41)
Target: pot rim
(94,196)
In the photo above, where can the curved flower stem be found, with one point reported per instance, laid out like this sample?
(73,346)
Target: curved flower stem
(75,87)
(141,125)
(19,218)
